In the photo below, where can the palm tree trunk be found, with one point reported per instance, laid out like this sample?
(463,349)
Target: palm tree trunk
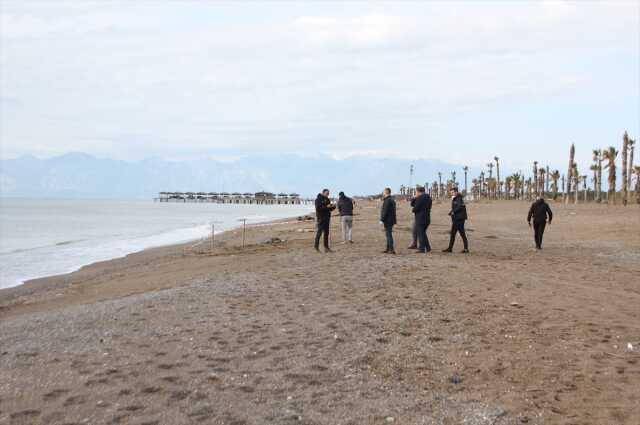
(625,180)
(600,178)
(572,154)
(631,149)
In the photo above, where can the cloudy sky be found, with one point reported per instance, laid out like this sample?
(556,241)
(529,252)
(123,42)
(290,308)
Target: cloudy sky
(457,81)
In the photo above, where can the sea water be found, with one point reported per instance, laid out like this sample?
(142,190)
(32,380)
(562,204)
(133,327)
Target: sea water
(41,238)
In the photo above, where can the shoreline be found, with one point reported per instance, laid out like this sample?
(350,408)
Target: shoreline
(40,280)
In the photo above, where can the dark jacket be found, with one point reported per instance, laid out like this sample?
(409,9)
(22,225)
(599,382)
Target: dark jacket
(422,209)
(388,212)
(539,211)
(458,208)
(345,205)
(323,208)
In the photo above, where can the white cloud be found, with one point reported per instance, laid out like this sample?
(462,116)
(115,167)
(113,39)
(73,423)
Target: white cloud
(157,78)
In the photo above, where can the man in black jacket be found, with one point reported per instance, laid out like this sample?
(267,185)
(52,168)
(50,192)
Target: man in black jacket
(458,215)
(323,216)
(539,211)
(422,211)
(345,208)
(388,219)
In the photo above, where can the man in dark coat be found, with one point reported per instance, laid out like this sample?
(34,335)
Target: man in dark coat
(422,211)
(388,219)
(323,216)
(414,233)
(458,215)
(539,211)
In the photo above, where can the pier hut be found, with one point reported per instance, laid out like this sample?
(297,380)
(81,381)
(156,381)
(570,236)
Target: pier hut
(265,198)
(260,198)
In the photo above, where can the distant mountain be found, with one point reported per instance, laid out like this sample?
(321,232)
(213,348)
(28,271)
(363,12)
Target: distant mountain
(79,175)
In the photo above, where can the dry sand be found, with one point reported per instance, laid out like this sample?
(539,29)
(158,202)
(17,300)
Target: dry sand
(278,334)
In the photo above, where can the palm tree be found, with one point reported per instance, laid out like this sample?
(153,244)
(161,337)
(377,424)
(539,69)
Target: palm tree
(507,187)
(576,182)
(466,170)
(481,183)
(631,148)
(439,183)
(597,158)
(610,156)
(572,154)
(625,180)
(594,168)
(548,175)
(535,177)
(637,189)
(541,171)
(554,177)
(453,177)
(497,160)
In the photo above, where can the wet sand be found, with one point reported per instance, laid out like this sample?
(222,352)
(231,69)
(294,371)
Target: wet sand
(277,333)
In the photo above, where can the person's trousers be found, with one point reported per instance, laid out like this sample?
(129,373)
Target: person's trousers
(347,226)
(423,239)
(388,231)
(414,233)
(458,227)
(322,230)
(538,229)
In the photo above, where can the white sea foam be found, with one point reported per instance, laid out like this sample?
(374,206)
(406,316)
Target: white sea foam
(41,238)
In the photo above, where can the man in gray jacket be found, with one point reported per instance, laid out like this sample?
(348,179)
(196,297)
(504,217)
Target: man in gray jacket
(345,208)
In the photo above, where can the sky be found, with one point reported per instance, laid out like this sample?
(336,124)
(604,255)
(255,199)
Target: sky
(456,81)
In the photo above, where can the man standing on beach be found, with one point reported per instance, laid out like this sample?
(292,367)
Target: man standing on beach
(388,219)
(422,210)
(323,216)
(345,208)
(414,233)
(539,211)
(458,215)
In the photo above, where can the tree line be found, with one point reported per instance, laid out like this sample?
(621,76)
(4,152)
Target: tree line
(570,187)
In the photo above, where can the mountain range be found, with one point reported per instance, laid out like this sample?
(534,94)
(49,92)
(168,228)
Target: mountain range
(80,175)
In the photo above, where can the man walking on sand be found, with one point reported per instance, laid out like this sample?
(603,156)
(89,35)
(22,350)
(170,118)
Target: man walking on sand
(323,216)
(539,211)
(458,215)
(422,211)
(345,208)
(388,219)
(414,233)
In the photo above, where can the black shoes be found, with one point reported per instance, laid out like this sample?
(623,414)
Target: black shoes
(464,251)
(447,250)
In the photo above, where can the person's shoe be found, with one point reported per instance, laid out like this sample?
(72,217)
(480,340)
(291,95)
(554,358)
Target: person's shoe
(317,249)
(464,251)
(350,241)
(412,246)
(392,252)
(328,250)
(420,251)
(385,251)
(447,250)
(428,250)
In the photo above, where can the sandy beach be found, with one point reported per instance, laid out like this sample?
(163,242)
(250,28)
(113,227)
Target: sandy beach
(277,333)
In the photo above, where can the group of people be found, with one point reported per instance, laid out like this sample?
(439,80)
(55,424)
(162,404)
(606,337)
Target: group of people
(421,205)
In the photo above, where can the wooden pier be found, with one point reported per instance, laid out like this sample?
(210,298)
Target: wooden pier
(258,198)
